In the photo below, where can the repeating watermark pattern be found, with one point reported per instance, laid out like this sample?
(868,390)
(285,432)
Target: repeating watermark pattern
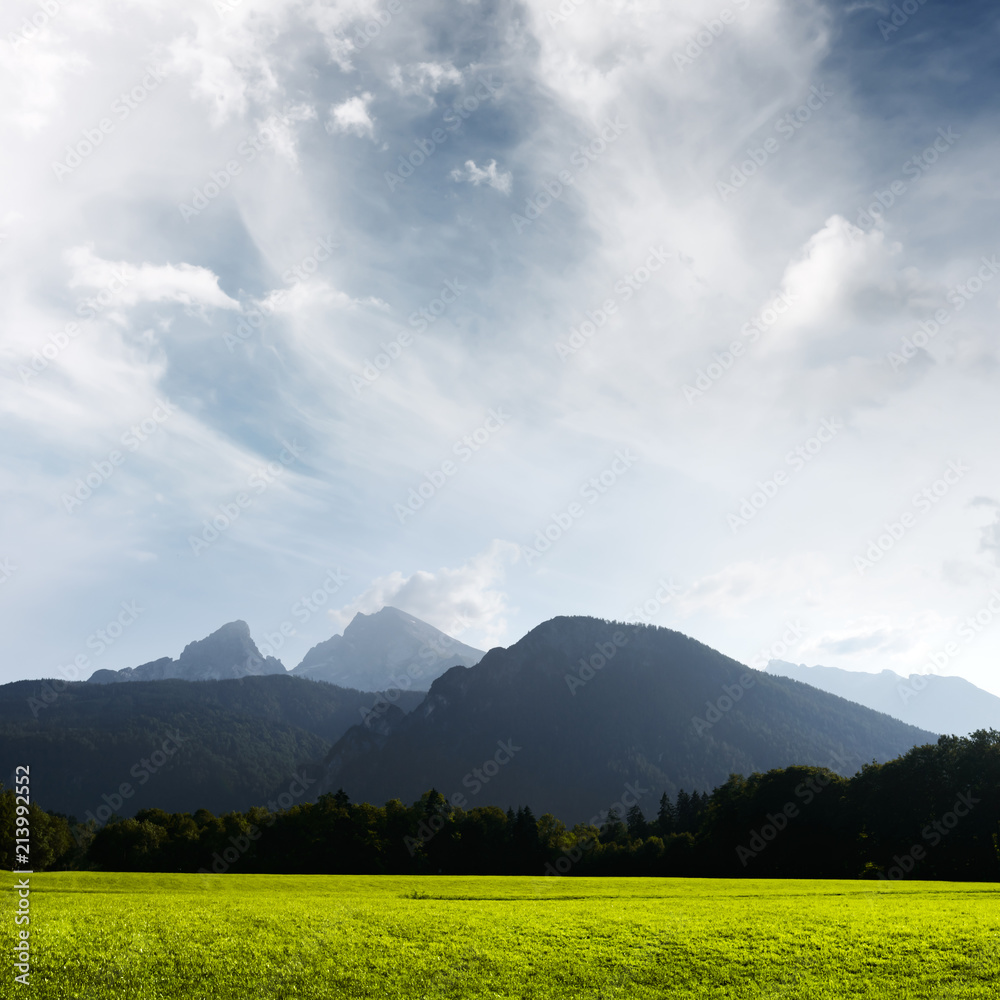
(714,711)
(380,19)
(566,9)
(630,797)
(757,156)
(475,780)
(142,770)
(424,148)
(581,158)
(30,29)
(665,592)
(258,481)
(914,168)
(751,331)
(437,307)
(429,655)
(302,610)
(626,287)
(240,844)
(796,459)
(265,135)
(299,273)
(102,470)
(373,368)
(806,791)
(464,448)
(98,641)
(794,631)
(900,14)
(939,661)
(421,321)
(89,308)
(604,653)
(705,36)
(959,297)
(933,833)
(123,106)
(592,491)
(923,501)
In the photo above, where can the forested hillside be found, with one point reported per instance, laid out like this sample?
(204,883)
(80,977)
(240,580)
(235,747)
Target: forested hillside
(932,814)
(180,745)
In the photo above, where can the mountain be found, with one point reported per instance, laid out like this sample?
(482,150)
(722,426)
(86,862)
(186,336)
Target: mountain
(178,745)
(583,713)
(941,704)
(387,649)
(229,652)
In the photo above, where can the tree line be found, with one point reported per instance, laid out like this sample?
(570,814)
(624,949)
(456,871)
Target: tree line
(932,814)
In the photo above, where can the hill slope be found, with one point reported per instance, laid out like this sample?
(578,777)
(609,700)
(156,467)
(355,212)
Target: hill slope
(544,723)
(232,744)
(942,704)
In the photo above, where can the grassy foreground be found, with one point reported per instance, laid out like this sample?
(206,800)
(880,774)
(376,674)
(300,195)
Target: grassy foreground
(181,937)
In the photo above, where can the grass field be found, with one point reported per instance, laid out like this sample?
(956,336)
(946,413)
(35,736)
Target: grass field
(180,937)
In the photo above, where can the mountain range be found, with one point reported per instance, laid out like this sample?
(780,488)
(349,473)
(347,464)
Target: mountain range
(388,649)
(941,704)
(226,654)
(581,711)
(579,714)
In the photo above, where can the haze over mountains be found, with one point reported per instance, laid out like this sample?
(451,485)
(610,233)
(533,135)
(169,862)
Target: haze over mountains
(949,705)
(581,710)
(385,650)
(227,653)
(388,649)
(574,716)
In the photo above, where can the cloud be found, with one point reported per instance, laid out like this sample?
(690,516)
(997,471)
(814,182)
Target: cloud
(733,589)
(308,295)
(184,283)
(501,181)
(844,277)
(989,534)
(877,638)
(353,116)
(424,79)
(460,601)
(869,636)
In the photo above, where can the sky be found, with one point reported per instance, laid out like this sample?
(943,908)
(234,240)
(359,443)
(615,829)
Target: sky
(494,311)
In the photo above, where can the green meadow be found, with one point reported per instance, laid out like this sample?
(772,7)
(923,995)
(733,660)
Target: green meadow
(182,937)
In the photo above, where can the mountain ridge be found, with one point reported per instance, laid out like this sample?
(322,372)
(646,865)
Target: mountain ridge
(227,653)
(594,705)
(944,704)
(387,649)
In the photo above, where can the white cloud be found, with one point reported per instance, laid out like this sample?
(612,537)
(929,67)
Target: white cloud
(353,116)
(424,79)
(843,275)
(306,296)
(732,590)
(460,601)
(500,180)
(184,283)
(599,89)
(989,538)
